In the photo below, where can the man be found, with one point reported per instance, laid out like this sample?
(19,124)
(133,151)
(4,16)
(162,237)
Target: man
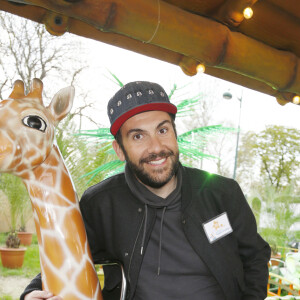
(180,233)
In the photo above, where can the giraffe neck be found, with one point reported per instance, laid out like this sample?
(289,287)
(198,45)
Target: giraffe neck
(50,182)
(66,263)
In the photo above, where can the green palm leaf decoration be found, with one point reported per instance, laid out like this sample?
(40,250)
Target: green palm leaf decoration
(191,143)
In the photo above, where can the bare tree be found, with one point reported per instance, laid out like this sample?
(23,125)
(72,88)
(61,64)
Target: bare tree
(28,51)
(202,114)
(222,147)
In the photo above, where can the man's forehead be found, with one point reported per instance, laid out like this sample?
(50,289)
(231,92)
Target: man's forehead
(146,119)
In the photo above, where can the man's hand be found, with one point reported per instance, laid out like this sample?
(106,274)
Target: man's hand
(40,295)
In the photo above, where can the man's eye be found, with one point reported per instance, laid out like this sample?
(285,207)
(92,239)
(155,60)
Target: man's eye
(163,130)
(137,136)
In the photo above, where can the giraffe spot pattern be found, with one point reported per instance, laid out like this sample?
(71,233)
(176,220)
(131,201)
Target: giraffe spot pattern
(78,228)
(54,251)
(54,282)
(83,283)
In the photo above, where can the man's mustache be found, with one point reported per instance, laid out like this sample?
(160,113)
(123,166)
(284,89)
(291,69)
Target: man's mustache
(153,156)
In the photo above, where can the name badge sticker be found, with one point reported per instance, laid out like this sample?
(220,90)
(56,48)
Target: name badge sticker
(217,228)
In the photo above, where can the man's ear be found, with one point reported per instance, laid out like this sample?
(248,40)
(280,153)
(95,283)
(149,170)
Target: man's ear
(118,150)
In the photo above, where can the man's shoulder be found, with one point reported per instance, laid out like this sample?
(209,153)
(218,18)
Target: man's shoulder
(206,179)
(113,184)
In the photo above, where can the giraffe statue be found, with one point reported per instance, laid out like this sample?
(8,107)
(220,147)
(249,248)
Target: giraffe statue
(27,150)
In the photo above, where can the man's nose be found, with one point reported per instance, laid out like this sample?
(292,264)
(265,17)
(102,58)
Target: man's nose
(155,145)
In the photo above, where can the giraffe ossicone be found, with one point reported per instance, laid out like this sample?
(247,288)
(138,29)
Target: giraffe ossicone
(27,150)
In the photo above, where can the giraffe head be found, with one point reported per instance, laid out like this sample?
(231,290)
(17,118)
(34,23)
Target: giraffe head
(27,126)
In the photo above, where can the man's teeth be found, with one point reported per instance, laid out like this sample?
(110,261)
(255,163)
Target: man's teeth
(157,162)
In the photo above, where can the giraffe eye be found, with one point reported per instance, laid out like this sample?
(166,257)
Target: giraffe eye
(35,122)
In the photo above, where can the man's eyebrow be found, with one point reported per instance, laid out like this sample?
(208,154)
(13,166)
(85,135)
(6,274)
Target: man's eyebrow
(163,123)
(135,130)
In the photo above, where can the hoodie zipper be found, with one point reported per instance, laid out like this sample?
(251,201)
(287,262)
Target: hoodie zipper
(134,245)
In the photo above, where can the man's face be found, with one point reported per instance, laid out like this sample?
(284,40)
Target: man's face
(150,147)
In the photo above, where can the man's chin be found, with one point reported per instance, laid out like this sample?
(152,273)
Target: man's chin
(155,181)
(155,184)
(154,176)
(155,171)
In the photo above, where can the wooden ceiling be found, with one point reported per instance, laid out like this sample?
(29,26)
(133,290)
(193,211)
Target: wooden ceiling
(261,53)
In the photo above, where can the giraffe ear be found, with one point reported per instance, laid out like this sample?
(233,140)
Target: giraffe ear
(61,103)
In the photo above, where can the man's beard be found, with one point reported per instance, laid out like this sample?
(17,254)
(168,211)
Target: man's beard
(150,179)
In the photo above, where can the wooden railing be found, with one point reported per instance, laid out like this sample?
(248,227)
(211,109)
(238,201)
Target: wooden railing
(282,284)
(277,283)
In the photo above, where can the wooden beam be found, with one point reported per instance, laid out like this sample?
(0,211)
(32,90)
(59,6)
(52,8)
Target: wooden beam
(194,36)
(225,52)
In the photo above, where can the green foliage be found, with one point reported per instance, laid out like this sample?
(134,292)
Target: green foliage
(116,79)
(80,154)
(6,297)
(278,147)
(278,212)
(256,207)
(277,150)
(18,199)
(185,106)
(248,165)
(193,142)
(3,238)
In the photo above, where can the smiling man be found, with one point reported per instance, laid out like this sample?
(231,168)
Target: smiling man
(179,232)
(147,142)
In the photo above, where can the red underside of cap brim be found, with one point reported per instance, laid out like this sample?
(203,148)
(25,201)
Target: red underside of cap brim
(167,107)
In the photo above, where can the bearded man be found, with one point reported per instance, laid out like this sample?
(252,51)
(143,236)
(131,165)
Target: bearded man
(180,233)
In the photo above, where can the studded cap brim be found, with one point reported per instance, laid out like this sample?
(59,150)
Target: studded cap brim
(167,107)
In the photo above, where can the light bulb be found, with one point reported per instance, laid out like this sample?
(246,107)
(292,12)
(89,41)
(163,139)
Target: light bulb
(296,99)
(200,68)
(248,13)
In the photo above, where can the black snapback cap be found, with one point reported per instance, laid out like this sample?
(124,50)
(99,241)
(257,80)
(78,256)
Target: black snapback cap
(134,98)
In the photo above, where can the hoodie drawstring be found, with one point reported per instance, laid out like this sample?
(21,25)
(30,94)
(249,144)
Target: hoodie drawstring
(160,239)
(160,234)
(145,227)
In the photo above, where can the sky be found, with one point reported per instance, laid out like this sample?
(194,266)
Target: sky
(258,109)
